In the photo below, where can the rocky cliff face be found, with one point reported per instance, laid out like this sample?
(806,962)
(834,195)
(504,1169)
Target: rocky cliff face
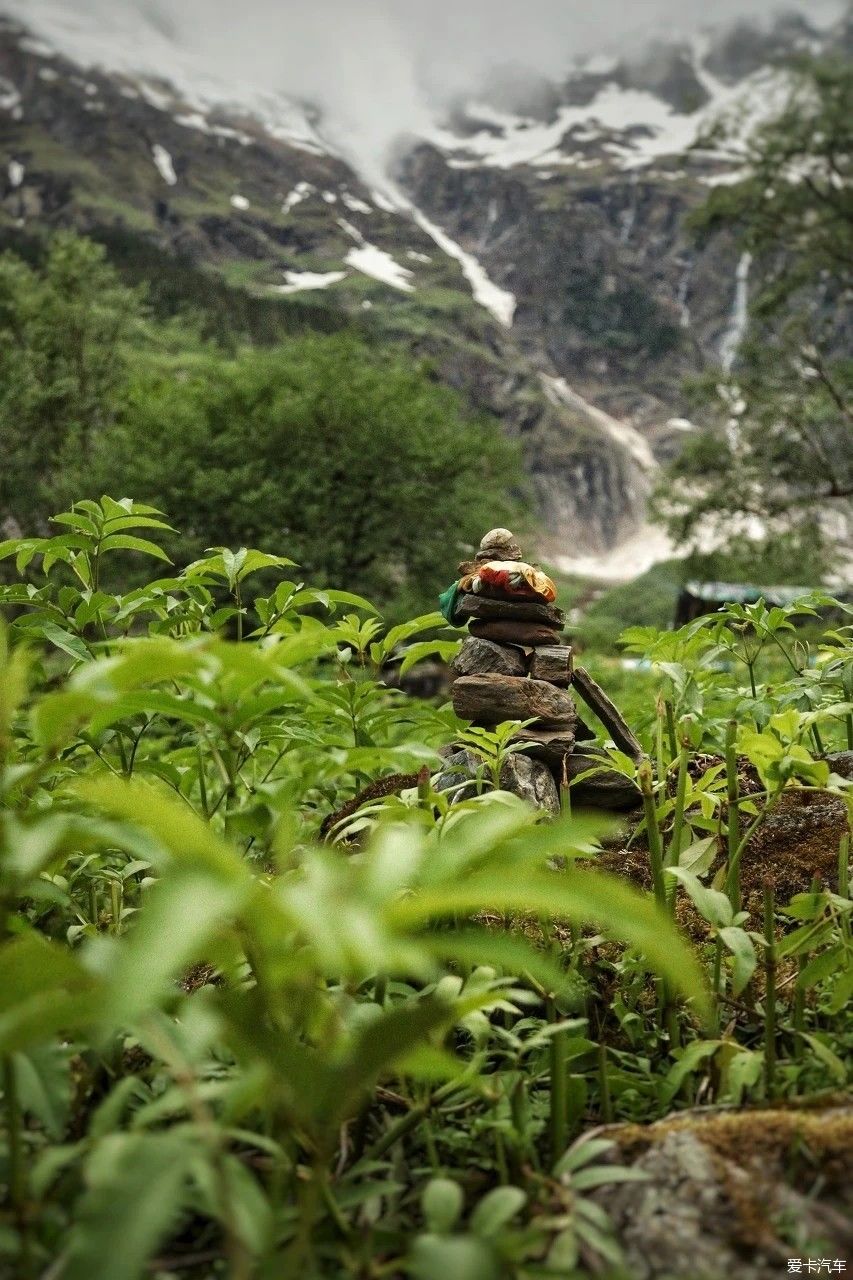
(532,247)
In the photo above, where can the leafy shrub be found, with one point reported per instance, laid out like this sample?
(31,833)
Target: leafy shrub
(219,1037)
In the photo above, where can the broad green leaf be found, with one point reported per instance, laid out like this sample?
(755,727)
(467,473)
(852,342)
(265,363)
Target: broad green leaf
(699,856)
(76,520)
(44,990)
(472,946)
(712,905)
(44,1086)
(584,897)
(127,542)
(691,1057)
(601,1175)
(443,649)
(741,946)
(581,1153)
(188,839)
(135,1196)
(462,1257)
(64,640)
(831,1060)
(496,1210)
(441,1204)
(182,913)
(822,966)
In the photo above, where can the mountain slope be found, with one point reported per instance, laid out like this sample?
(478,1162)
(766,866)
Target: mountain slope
(532,251)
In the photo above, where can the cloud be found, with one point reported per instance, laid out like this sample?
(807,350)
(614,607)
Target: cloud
(375,69)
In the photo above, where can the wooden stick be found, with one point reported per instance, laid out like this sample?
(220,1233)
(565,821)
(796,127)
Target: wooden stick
(609,715)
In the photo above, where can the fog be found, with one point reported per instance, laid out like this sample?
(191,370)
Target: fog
(375,69)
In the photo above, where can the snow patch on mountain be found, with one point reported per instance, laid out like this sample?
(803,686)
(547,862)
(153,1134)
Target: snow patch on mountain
(628,437)
(499,301)
(163,161)
(633,125)
(376,262)
(15,171)
(354,204)
(299,193)
(10,98)
(167,73)
(298,281)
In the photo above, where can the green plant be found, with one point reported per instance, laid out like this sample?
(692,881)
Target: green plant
(217,1028)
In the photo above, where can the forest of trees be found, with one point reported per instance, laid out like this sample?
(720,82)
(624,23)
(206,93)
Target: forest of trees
(778,456)
(361,465)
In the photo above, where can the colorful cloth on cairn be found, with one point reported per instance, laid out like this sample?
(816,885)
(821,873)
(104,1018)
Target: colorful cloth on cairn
(512,578)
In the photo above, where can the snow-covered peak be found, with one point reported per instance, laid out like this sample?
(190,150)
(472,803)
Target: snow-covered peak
(129,39)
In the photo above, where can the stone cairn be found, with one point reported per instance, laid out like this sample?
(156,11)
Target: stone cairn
(515,665)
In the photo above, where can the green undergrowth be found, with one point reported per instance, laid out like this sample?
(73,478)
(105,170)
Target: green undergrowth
(231,1047)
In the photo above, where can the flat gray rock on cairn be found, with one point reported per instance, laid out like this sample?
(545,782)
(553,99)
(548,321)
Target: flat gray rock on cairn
(514,665)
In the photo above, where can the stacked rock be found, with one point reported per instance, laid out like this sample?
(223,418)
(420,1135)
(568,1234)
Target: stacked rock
(515,665)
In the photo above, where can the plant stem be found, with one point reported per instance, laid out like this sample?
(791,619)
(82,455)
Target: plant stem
(769,995)
(798,1011)
(565,791)
(732,791)
(661,763)
(115,905)
(604,1086)
(17,1174)
(674,849)
(733,870)
(559,1096)
(644,777)
(844,866)
(715,982)
(670,729)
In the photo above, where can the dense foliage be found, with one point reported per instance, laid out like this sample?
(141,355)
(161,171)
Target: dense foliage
(229,1048)
(366,466)
(773,477)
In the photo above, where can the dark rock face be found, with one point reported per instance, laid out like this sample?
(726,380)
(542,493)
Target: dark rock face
(720,1185)
(532,781)
(479,657)
(552,663)
(841,762)
(462,767)
(506,631)
(491,699)
(488,609)
(550,745)
(605,789)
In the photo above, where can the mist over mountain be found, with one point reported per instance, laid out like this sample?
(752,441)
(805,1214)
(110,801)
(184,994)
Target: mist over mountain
(375,70)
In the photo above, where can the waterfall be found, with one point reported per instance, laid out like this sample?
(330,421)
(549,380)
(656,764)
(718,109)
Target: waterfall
(683,293)
(628,216)
(739,318)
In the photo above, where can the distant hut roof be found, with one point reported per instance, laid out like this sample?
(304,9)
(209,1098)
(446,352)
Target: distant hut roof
(699,598)
(745,592)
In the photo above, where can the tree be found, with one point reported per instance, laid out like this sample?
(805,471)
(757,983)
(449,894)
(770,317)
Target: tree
(350,460)
(777,461)
(63,366)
